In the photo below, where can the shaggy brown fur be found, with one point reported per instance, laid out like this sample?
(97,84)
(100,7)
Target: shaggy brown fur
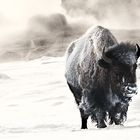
(102,87)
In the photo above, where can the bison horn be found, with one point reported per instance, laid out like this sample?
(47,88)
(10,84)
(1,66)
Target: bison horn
(137,50)
(105,58)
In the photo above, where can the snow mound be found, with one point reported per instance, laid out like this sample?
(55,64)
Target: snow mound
(4,76)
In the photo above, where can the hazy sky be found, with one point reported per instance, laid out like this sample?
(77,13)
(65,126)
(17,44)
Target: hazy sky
(14,14)
(21,10)
(122,14)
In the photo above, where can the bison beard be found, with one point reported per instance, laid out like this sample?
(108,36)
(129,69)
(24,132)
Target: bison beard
(101,73)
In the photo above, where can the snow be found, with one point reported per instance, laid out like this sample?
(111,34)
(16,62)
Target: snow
(35,103)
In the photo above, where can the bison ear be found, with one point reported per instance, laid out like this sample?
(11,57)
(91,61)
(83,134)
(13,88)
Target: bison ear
(137,50)
(103,64)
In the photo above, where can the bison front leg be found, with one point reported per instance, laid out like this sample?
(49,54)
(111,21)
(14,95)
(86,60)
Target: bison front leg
(100,117)
(119,114)
(115,118)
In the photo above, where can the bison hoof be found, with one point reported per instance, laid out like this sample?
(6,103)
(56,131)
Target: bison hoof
(101,125)
(83,127)
(117,122)
(111,122)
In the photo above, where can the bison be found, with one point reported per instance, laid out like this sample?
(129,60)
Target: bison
(101,73)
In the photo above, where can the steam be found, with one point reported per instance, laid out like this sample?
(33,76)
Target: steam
(48,29)
(45,35)
(54,23)
(110,13)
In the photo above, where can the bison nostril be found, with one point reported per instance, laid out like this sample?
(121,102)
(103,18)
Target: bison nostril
(130,88)
(132,85)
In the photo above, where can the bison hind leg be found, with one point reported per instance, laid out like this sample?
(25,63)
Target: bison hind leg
(84,118)
(78,95)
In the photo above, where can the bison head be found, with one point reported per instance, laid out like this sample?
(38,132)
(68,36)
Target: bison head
(121,62)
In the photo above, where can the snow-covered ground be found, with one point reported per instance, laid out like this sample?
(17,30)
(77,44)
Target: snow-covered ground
(35,103)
